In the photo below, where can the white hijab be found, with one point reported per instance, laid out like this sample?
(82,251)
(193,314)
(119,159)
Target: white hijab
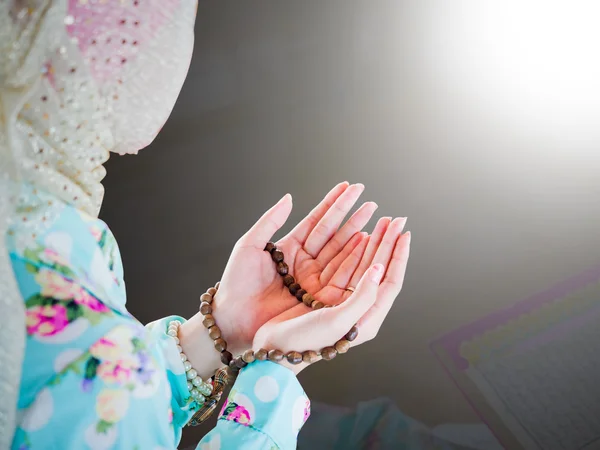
(78,78)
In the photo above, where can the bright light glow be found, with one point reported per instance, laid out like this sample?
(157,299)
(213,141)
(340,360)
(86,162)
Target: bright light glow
(534,63)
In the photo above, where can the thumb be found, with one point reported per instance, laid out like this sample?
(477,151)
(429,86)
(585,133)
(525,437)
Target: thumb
(270,222)
(363,298)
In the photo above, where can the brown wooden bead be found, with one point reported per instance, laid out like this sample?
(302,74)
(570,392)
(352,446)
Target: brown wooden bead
(214,332)
(240,363)
(220,345)
(226,357)
(212,292)
(205,308)
(288,280)
(206,297)
(308,299)
(282,268)
(352,334)
(248,356)
(317,304)
(299,294)
(294,288)
(261,355)
(217,285)
(328,353)
(275,355)
(269,247)
(208,321)
(310,357)
(342,346)
(294,358)
(277,255)
(234,368)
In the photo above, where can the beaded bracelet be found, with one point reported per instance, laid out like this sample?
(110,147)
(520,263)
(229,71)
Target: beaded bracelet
(198,388)
(205,393)
(249,356)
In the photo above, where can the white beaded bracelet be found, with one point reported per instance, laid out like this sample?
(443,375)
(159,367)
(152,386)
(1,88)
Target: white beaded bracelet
(199,389)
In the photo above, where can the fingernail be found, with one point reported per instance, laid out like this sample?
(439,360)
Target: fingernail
(360,186)
(377,273)
(407,234)
(286,197)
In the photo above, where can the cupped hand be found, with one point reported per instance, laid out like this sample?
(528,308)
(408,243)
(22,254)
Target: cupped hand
(322,256)
(380,274)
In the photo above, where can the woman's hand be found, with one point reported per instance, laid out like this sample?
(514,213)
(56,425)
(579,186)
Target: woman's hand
(321,256)
(301,329)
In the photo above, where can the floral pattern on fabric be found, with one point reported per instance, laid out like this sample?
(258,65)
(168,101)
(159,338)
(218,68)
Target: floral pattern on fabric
(96,378)
(236,413)
(59,303)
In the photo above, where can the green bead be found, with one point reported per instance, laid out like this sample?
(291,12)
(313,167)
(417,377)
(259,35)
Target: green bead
(205,389)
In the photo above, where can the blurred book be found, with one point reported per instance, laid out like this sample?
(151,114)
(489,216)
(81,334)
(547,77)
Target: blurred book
(531,371)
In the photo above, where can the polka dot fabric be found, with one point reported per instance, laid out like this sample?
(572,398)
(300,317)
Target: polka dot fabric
(111,33)
(265,398)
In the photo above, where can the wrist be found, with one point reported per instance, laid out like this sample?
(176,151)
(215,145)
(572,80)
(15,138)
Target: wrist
(232,332)
(199,347)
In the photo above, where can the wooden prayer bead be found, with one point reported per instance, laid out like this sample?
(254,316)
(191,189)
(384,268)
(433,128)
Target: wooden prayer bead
(310,357)
(275,355)
(205,308)
(220,345)
(342,346)
(226,357)
(261,355)
(234,368)
(282,268)
(208,321)
(294,288)
(294,358)
(212,292)
(328,353)
(240,363)
(206,297)
(277,255)
(288,280)
(352,334)
(317,304)
(300,293)
(248,356)
(270,247)
(214,332)
(308,299)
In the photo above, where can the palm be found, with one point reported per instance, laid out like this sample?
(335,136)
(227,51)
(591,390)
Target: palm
(322,262)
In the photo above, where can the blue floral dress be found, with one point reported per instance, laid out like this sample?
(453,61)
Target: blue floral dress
(95,378)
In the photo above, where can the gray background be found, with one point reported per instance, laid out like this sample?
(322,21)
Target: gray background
(452,114)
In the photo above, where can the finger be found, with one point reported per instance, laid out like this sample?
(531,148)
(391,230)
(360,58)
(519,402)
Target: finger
(298,330)
(271,221)
(394,277)
(356,223)
(347,314)
(335,264)
(390,286)
(330,222)
(303,229)
(374,241)
(346,270)
(385,249)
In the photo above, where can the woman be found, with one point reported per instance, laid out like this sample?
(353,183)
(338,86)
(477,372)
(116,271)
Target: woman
(80,78)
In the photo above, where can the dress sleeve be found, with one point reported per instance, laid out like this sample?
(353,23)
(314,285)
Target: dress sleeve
(265,409)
